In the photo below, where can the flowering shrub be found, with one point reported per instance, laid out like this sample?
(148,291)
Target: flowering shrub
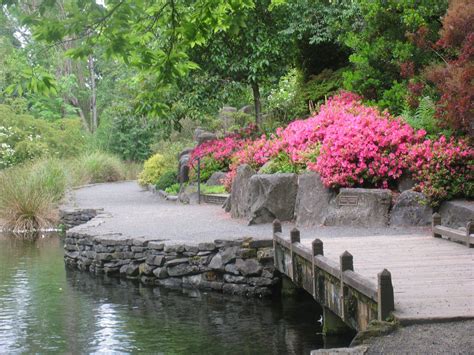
(362,146)
(444,169)
(350,144)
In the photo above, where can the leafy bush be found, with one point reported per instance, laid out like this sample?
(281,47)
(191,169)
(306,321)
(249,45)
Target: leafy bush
(24,138)
(173,189)
(424,118)
(453,77)
(153,169)
(282,163)
(379,43)
(167,179)
(444,169)
(123,133)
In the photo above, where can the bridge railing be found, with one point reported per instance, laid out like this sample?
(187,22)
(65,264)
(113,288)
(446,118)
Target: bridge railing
(353,297)
(463,236)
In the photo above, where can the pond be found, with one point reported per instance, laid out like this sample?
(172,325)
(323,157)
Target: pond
(45,308)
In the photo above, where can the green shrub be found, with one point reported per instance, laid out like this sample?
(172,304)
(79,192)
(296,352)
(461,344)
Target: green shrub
(123,133)
(173,189)
(280,164)
(424,117)
(24,138)
(153,169)
(167,179)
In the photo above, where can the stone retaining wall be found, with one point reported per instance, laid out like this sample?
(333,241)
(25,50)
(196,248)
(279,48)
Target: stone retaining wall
(71,217)
(241,267)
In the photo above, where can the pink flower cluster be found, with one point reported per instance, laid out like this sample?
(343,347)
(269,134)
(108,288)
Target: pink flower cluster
(348,144)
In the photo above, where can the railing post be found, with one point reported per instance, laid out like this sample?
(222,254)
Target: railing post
(436,221)
(469,231)
(294,238)
(199,180)
(385,297)
(276,250)
(317,247)
(346,261)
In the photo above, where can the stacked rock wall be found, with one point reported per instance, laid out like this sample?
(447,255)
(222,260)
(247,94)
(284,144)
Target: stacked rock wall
(72,217)
(242,267)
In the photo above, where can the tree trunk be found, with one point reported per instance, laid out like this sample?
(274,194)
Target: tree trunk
(93,95)
(258,104)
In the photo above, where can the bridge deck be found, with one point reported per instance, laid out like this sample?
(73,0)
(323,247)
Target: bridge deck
(432,278)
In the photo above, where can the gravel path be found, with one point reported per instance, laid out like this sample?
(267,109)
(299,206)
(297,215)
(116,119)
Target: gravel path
(437,338)
(131,211)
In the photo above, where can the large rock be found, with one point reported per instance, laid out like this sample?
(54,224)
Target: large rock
(456,213)
(312,200)
(183,168)
(411,209)
(248,109)
(226,116)
(360,208)
(205,137)
(216,178)
(240,196)
(272,196)
(188,195)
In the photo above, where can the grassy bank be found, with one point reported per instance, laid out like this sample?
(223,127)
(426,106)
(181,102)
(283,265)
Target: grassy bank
(30,193)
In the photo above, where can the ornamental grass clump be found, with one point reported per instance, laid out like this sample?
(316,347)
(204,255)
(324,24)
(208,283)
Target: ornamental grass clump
(96,167)
(29,194)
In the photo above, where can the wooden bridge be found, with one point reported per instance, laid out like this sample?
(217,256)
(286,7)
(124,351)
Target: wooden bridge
(415,278)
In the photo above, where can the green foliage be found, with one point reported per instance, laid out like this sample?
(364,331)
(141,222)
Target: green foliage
(424,118)
(379,44)
(96,167)
(208,167)
(153,169)
(173,189)
(280,164)
(24,138)
(124,134)
(216,189)
(28,195)
(167,179)
(293,96)
(170,150)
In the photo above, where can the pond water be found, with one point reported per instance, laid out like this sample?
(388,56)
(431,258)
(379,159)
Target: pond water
(45,308)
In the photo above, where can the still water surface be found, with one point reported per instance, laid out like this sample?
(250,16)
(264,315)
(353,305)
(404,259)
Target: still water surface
(45,308)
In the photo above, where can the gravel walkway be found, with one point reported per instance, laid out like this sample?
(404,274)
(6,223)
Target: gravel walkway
(132,211)
(438,338)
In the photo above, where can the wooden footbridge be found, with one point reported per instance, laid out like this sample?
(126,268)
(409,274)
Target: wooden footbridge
(414,278)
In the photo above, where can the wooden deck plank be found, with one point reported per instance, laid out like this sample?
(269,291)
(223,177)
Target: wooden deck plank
(432,277)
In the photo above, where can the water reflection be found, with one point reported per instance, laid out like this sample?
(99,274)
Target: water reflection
(45,308)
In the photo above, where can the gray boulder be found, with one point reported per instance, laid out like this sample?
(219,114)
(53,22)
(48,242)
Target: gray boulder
(188,195)
(272,196)
(225,115)
(360,208)
(205,137)
(240,196)
(216,179)
(249,267)
(405,183)
(456,213)
(312,200)
(248,109)
(411,209)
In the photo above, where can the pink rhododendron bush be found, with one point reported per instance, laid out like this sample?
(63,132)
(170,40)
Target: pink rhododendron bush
(352,145)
